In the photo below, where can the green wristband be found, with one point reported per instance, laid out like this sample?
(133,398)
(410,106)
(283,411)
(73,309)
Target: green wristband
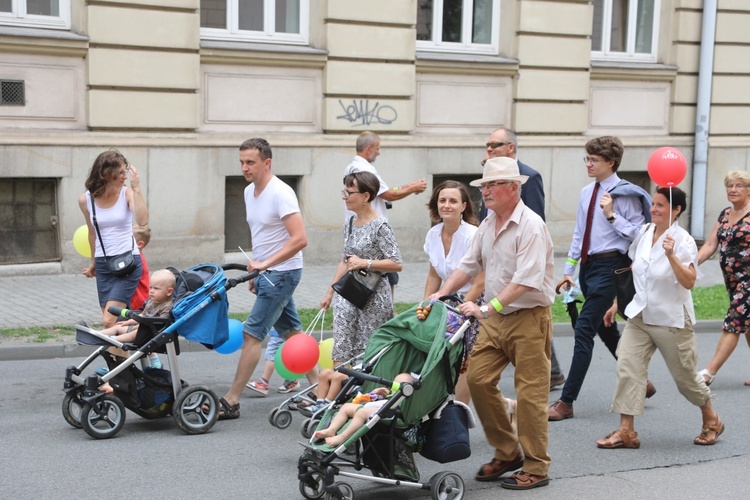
(496,304)
(572,262)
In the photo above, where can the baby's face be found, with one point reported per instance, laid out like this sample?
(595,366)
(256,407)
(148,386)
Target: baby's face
(160,291)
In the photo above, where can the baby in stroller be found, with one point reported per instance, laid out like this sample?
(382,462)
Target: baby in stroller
(359,411)
(159,304)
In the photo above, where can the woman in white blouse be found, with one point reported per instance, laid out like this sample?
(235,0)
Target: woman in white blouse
(661,316)
(446,244)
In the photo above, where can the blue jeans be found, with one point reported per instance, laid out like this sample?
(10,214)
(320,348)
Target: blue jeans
(274,305)
(598,286)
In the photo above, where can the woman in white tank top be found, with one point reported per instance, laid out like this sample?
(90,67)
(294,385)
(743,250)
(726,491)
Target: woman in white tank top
(117,207)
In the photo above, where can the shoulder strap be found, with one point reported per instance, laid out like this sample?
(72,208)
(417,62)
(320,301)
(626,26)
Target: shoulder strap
(96,226)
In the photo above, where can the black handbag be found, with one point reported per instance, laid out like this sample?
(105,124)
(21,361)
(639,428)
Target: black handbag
(625,289)
(118,265)
(357,286)
(447,438)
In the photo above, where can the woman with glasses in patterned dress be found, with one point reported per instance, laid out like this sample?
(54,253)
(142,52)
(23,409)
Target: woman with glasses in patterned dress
(731,236)
(369,245)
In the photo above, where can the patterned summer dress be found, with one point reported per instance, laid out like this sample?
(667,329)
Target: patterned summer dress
(734,243)
(352,327)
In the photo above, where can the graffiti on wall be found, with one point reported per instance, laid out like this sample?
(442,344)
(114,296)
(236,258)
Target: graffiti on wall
(363,112)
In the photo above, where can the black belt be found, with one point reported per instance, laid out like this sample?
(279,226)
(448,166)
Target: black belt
(604,255)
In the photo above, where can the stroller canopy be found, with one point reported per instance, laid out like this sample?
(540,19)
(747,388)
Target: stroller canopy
(202,315)
(417,346)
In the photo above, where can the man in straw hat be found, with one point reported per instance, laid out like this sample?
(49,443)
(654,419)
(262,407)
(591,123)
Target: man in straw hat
(514,249)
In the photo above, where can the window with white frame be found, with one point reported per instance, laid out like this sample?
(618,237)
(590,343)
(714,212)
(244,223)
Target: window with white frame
(458,25)
(275,21)
(36,13)
(626,30)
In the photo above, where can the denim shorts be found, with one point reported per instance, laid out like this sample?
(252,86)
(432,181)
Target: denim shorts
(115,288)
(274,343)
(274,305)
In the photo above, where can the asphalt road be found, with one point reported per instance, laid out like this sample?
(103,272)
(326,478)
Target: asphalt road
(43,457)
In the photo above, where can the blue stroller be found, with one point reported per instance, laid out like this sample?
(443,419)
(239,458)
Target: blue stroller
(199,315)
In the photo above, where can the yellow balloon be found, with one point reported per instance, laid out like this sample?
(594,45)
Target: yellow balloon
(326,354)
(81,241)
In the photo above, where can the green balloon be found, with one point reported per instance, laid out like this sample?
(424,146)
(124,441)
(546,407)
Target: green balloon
(282,370)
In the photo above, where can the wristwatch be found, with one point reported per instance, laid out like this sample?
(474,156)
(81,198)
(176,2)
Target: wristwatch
(612,219)
(485,311)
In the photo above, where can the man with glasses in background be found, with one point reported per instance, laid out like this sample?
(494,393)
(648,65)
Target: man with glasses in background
(503,142)
(605,227)
(514,249)
(368,149)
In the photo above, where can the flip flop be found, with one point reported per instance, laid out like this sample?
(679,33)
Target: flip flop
(227,411)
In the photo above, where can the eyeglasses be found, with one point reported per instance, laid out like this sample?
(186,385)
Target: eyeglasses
(492,184)
(494,145)
(346,193)
(589,159)
(735,186)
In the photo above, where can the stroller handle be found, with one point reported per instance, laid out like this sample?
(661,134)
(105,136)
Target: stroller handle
(122,312)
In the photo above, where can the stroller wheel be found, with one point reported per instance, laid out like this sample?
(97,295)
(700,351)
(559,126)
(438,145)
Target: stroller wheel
(446,486)
(305,429)
(72,407)
(196,409)
(341,491)
(282,419)
(272,417)
(104,418)
(313,486)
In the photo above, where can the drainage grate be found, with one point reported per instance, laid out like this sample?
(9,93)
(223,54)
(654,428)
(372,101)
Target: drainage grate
(12,93)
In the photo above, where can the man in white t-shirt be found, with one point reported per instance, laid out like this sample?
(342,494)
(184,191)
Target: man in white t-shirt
(278,235)
(368,149)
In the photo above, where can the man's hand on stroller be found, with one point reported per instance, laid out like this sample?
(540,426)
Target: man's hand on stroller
(470,309)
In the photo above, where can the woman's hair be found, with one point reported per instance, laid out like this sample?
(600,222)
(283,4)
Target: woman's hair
(679,198)
(106,166)
(737,175)
(468,214)
(608,147)
(366,183)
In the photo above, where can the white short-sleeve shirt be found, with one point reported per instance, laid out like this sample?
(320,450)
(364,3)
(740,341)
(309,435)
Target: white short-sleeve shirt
(444,264)
(658,295)
(265,216)
(359,164)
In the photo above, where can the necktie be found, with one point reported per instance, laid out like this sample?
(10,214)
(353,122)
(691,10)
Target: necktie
(589,220)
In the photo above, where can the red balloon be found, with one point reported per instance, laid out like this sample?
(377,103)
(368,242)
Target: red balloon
(300,353)
(667,166)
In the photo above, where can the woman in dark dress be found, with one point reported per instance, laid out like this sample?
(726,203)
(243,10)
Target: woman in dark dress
(731,236)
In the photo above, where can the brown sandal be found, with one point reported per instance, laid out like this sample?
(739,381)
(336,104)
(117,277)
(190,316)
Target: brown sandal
(705,438)
(627,440)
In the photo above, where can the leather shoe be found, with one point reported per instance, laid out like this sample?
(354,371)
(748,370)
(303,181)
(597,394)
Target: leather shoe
(555,382)
(497,468)
(524,481)
(650,389)
(560,411)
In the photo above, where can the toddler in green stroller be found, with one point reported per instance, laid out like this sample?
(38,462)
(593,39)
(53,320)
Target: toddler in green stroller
(382,438)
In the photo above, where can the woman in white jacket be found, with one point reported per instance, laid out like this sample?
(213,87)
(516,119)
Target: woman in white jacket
(661,316)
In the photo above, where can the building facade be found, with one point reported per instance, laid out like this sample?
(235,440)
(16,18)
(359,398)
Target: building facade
(177,85)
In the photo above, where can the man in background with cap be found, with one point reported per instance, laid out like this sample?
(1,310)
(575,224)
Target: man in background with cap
(514,249)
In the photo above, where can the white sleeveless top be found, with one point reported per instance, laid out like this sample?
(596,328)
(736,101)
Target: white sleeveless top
(115,225)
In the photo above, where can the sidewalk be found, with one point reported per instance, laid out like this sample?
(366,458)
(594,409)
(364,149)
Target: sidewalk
(65,299)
